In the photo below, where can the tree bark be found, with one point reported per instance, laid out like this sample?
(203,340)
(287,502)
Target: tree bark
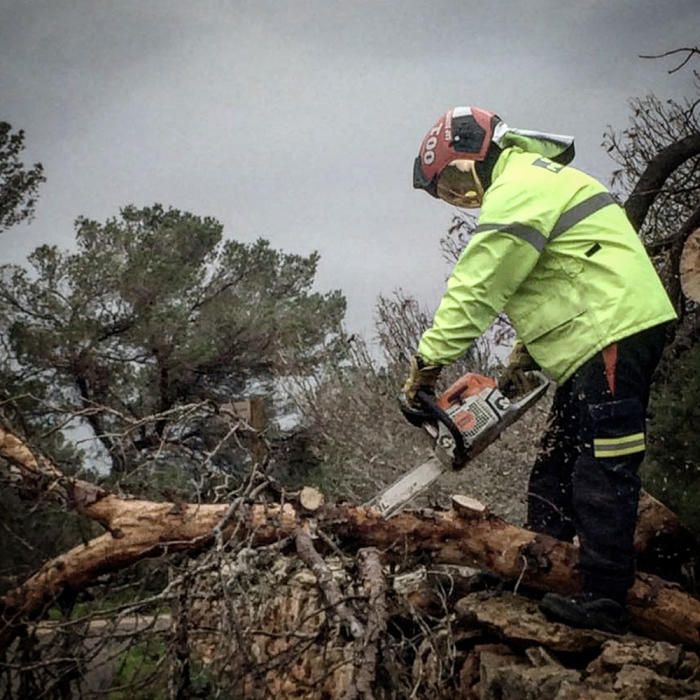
(657,171)
(663,545)
(331,591)
(180,681)
(370,570)
(657,608)
(655,521)
(138,529)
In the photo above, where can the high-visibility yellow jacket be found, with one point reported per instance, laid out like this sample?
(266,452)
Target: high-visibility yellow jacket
(555,252)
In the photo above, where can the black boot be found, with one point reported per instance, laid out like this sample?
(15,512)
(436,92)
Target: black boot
(586,611)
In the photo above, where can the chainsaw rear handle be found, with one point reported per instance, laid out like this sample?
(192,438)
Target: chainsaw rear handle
(534,394)
(428,404)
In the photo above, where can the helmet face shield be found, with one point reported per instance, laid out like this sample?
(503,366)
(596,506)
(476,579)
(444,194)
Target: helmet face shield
(458,184)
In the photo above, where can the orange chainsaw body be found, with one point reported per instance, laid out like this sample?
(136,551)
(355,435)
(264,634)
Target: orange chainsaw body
(463,400)
(468,417)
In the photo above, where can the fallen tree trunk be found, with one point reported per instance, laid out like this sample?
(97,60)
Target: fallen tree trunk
(659,535)
(657,526)
(468,535)
(663,545)
(658,609)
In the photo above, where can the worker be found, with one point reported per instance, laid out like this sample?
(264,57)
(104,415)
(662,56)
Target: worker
(555,252)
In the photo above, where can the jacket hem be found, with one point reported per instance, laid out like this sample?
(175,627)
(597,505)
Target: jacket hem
(614,338)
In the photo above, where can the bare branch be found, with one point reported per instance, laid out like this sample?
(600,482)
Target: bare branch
(657,171)
(689,53)
(308,554)
(373,581)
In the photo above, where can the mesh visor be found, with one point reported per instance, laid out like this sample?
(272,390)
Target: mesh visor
(459,185)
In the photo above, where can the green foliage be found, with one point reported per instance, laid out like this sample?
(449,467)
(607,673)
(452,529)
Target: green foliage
(141,670)
(155,310)
(32,533)
(26,520)
(142,674)
(672,471)
(18,184)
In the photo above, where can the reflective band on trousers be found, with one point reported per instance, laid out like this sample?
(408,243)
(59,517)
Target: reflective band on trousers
(619,446)
(567,220)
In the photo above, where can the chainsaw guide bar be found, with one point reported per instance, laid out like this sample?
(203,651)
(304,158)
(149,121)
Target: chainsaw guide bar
(465,420)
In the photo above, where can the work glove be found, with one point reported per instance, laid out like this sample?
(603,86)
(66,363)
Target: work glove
(421,377)
(514,380)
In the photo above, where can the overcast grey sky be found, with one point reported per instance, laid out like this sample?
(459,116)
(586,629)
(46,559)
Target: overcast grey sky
(299,121)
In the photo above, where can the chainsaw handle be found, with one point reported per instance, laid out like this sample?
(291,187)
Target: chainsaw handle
(428,404)
(523,402)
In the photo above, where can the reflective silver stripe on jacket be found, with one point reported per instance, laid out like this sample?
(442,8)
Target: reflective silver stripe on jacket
(567,220)
(528,233)
(580,211)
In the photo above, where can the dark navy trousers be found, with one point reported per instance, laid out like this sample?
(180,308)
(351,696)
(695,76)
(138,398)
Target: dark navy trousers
(585,479)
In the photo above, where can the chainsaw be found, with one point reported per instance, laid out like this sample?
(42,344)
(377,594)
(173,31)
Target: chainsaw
(463,422)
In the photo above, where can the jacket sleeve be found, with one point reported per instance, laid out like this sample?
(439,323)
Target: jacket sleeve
(511,233)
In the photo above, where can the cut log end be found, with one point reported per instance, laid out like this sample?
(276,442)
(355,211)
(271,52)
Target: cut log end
(690,266)
(311,499)
(469,508)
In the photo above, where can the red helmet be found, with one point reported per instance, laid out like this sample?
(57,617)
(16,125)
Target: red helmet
(461,133)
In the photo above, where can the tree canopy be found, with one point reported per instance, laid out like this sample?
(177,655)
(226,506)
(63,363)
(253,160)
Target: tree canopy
(154,310)
(18,183)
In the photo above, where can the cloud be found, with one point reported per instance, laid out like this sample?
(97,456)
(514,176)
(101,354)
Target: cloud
(299,121)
